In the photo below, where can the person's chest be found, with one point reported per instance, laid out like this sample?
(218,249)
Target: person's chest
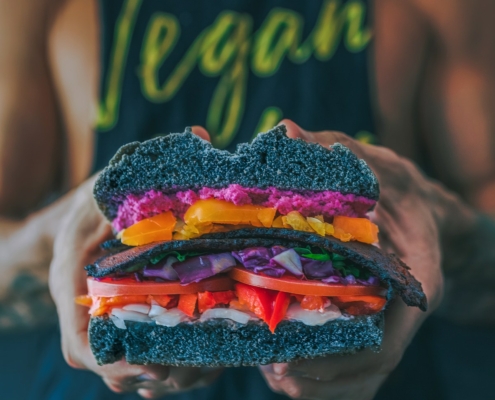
(141,68)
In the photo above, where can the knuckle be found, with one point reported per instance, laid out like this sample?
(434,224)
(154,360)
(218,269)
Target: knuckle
(72,360)
(113,386)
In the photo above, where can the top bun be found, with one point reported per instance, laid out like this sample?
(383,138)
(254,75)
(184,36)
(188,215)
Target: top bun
(182,161)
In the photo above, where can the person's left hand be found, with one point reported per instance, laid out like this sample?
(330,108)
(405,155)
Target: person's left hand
(409,214)
(81,231)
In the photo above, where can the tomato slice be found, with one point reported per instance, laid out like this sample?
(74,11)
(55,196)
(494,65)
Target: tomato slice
(294,285)
(313,302)
(110,288)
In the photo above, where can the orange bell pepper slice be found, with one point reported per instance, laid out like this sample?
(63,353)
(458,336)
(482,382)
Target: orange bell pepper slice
(163,300)
(102,305)
(187,303)
(361,229)
(155,229)
(224,212)
(84,300)
(360,305)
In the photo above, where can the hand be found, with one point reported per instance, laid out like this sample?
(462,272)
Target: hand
(76,245)
(410,216)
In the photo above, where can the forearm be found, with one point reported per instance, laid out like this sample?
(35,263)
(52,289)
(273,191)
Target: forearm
(26,246)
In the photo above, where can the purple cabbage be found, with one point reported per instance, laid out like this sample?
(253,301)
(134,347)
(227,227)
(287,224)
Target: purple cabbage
(162,270)
(277,260)
(371,281)
(317,269)
(291,261)
(257,259)
(196,269)
(332,279)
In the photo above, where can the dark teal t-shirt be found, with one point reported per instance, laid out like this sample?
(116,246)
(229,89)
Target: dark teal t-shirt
(237,67)
(234,67)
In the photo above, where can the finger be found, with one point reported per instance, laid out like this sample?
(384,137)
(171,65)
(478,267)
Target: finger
(363,388)
(381,160)
(201,132)
(324,138)
(124,377)
(328,368)
(182,379)
(400,321)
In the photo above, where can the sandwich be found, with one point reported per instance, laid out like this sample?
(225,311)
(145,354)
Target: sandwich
(226,259)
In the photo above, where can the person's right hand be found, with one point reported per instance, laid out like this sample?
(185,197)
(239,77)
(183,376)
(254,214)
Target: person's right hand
(80,233)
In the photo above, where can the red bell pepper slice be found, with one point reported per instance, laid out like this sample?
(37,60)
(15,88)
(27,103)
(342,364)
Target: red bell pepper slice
(187,304)
(223,297)
(207,300)
(258,300)
(280,306)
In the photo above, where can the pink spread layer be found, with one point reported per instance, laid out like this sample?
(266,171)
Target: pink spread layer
(309,203)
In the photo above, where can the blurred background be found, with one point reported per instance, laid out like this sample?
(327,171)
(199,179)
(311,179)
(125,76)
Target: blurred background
(80,78)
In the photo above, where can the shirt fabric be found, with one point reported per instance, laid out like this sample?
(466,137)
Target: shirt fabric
(237,67)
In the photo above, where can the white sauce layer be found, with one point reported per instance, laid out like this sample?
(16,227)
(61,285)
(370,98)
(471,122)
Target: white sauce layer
(174,316)
(226,313)
(312,317)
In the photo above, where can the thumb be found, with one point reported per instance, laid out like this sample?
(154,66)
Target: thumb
(324,138)
(294,131)
(201,132)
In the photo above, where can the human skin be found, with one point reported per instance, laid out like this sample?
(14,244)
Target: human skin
(82,229)
(409,227)
(410,215)
(434,93)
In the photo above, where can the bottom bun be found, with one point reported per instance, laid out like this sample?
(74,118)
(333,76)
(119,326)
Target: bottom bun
(226,343)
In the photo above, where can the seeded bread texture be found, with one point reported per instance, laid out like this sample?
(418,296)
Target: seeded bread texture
(227,343)
(183,161)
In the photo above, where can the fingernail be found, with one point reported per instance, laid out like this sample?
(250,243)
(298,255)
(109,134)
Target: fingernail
(144,378)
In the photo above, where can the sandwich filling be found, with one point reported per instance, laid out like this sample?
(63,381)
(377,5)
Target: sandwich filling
(306,284)
(271,284)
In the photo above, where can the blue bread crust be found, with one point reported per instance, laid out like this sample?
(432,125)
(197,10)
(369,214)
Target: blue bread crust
(227,343)
(183,161)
